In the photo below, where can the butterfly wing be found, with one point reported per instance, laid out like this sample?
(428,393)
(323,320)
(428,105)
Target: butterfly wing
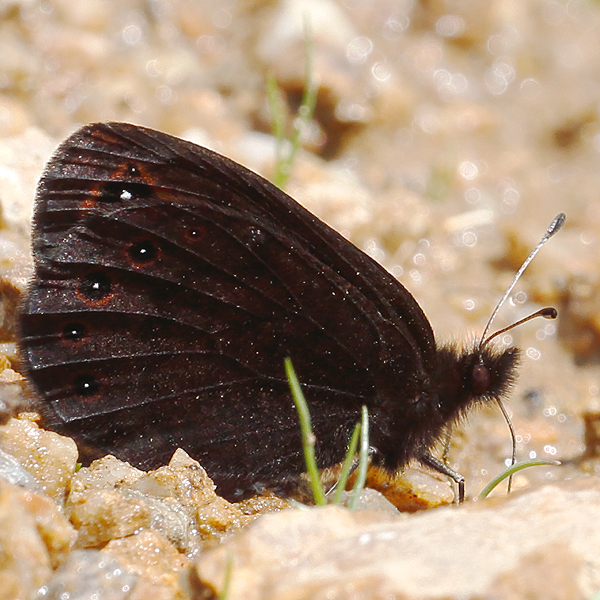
(171,283)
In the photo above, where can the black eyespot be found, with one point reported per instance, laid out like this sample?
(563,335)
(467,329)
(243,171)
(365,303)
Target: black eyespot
(95,287)
(74,332)
(124,191)
(142,253)
(193,234)
(86,385)
(480,379)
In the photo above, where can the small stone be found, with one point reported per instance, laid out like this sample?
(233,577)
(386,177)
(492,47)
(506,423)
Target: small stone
(34,538)
(91,574)
(154,560)
(51,458)
(103,515)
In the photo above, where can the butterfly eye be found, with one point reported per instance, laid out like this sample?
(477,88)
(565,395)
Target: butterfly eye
(480,379)
(86,385)
(74,332)
(95,288)
(142,253)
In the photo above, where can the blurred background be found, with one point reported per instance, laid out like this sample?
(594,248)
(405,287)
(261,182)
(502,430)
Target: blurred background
(446,136)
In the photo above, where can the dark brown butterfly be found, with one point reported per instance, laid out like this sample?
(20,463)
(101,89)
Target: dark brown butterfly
(170,284)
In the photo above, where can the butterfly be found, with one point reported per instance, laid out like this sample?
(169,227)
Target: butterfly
(171,283)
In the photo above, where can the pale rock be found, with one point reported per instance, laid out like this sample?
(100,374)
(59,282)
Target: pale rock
(541,544)
(34,538)
(88,574)
(156,563)
(111,500)
(51,458)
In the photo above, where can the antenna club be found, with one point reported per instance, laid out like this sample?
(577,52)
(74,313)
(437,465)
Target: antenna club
(548,313)
(558,222)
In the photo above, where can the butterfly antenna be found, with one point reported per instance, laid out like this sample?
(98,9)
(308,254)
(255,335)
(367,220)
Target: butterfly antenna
(556,224)
(548,313)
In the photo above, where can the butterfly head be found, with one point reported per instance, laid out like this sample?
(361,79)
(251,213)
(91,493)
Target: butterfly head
(473,376)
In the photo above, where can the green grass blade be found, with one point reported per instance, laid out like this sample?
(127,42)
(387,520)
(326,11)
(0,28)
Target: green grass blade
(512,470)
(283,165)
(224,593)
(363,460)
(347,465)
(277,120)
(308,437)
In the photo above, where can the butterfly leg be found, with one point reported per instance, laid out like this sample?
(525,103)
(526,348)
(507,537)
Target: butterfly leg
(440,467)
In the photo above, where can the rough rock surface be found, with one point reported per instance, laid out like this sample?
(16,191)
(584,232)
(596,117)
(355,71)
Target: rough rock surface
(542,544)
